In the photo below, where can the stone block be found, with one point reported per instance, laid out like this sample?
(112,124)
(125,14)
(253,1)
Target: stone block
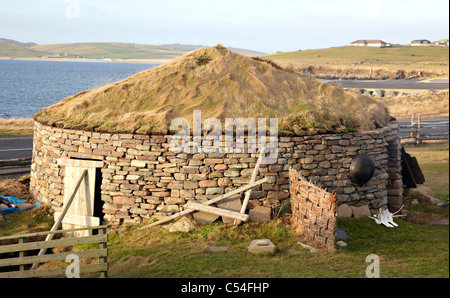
(262,247)
(233,204)
(344,211)
(361,211)
(205,218)
(260,214)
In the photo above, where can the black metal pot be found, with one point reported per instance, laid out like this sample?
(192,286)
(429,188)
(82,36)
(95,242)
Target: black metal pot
(362,169)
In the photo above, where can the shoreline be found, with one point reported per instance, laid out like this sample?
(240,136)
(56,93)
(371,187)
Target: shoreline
(65,59)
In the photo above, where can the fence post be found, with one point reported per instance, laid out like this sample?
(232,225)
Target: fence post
(103,260)
(22,254)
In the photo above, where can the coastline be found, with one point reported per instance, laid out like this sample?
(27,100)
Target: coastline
(65,59)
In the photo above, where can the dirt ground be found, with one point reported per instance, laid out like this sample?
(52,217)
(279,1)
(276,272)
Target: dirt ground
(18,189)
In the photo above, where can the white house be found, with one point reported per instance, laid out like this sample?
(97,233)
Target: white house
(371,43)
(420,42)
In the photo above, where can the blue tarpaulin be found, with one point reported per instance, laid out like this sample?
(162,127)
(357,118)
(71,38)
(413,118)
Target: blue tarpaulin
(15,201)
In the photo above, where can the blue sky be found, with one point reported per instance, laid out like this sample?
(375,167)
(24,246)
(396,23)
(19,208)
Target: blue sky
(264,25)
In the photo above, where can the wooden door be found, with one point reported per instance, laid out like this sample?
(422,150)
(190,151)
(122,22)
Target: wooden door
(81,212)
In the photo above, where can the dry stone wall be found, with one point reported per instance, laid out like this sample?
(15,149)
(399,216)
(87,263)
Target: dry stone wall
(314,212)
(142,178)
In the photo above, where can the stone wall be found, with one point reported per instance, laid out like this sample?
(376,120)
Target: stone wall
(313,212)
(142,178)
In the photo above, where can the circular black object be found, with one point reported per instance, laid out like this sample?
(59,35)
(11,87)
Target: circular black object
(362,169)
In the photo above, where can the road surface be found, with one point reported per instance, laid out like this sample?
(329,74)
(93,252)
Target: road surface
(15,148)
(439,84)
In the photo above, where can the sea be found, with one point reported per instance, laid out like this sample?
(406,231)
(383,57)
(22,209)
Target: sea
(27,86)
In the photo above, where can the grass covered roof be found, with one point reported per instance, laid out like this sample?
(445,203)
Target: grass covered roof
(221,84)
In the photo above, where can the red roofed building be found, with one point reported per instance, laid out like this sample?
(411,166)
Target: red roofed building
(371,43)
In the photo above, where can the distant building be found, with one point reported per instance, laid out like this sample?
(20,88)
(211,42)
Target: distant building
(420,42)
(371,43)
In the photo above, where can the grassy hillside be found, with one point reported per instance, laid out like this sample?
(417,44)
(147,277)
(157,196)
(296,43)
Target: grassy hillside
(113,50)
(99,50)
(16,50)
(367,61)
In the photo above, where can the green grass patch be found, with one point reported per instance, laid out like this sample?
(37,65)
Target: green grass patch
(433,159)
(407,251)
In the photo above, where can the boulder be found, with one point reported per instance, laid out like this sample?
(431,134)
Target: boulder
(362,211)
(344,211)
(183,225)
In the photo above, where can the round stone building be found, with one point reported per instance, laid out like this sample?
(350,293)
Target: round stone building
(124,130)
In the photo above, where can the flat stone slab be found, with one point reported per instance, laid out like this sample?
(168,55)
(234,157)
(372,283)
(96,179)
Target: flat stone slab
(262,247)
(205,218)
(216,248)
(260,214)
(233,204)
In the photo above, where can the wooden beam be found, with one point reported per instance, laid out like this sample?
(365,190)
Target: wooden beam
(252,180)
(217,211)
(80,163)
(212,201)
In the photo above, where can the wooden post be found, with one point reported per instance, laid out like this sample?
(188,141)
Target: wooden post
(252,180)
(103,260)
(22,254)
(418,131)
(61,217)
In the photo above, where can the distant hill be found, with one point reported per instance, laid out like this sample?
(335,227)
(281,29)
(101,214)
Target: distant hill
(101,50)
(18,43)
(15,49)
(350,62)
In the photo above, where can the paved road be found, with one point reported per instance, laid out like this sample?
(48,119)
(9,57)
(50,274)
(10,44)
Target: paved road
(15,147)
(440,84)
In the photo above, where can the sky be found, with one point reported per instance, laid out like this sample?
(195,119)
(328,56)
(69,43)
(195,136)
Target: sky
(267,26)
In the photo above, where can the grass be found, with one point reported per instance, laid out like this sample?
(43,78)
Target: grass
(408,251)
(113,50)
(17,51)
(429,104)
(433,159)
(366,62)
(16,127)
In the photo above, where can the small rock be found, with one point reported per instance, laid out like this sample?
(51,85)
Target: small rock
(341,234)
(216,248)
(183,225)
(415,202)
(3,207)
(310,248)
(293,251)
(341,244)
(443,222)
